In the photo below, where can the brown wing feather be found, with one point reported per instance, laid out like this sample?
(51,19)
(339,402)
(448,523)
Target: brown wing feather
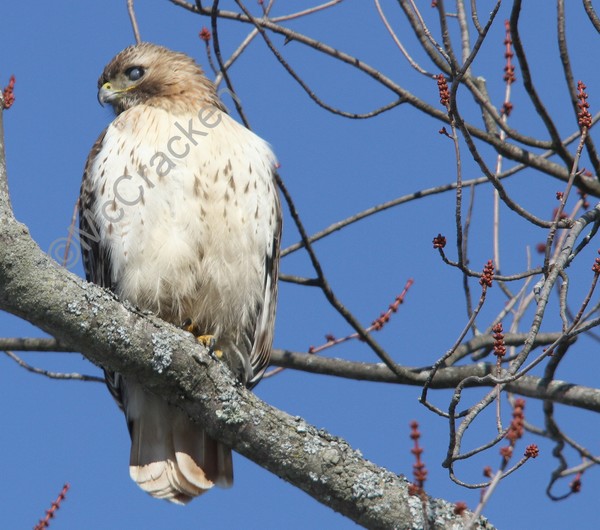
(95,256)
(265,323)
(96,260)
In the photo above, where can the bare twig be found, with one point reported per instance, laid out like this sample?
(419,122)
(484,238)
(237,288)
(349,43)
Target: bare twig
(134,24)
(52,375)
(51,513)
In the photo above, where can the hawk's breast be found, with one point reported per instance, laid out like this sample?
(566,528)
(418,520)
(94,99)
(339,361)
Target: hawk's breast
(187,208)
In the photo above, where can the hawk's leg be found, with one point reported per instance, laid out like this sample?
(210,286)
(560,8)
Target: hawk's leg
(208,341)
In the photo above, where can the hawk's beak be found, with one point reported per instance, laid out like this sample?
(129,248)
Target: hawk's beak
(107,94)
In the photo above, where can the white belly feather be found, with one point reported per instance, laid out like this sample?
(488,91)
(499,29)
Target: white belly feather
(188,235)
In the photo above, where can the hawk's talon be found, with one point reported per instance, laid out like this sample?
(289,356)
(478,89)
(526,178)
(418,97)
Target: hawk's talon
(209,341)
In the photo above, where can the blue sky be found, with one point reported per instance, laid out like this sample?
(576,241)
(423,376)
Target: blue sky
(56,432)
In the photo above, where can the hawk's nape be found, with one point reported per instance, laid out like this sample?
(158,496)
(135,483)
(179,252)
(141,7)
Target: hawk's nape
(179,215)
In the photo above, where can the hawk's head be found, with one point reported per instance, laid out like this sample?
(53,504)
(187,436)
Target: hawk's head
(153,75)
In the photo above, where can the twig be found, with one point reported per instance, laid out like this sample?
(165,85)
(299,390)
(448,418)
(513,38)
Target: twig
(53,375)
(308,11)
(134,24)
(326,288)
(568,73)
(305,86)
(509,150)
(234,56)
(45,522)
(485,284)
(376,325)
(540,108)
(223,70)
(401,47)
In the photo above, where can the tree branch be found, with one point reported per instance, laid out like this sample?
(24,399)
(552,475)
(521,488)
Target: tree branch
(558,391)
(171,364)
(448,377)
(506,149)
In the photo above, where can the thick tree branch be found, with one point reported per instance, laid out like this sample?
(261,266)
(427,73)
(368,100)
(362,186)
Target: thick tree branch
(170,363)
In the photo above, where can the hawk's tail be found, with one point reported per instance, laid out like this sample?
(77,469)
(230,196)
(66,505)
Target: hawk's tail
(171,457)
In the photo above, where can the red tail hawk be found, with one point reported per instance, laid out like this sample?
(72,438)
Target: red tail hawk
(180,216)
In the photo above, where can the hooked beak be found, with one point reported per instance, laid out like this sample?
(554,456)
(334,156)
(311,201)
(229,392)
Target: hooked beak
(107,94)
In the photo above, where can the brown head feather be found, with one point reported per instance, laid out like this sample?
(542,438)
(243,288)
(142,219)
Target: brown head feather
(169,80)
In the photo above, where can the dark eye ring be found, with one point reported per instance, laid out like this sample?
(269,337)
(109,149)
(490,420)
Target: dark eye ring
(134,73)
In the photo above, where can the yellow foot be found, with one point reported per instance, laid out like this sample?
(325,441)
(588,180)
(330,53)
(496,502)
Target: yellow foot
(209,341)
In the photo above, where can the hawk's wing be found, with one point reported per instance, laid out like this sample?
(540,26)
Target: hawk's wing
(96,261)
(263,329)
(95,255)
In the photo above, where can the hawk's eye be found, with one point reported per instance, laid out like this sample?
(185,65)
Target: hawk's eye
(134,73)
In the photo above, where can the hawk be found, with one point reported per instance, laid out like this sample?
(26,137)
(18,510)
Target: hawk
(179,215)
